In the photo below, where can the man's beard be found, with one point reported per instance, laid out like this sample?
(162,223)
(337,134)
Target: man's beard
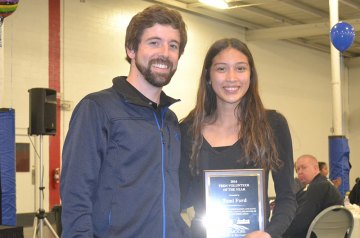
(156,79)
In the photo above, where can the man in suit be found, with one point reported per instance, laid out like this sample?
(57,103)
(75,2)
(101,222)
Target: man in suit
(317,195)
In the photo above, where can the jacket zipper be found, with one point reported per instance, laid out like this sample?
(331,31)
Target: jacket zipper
(161,127)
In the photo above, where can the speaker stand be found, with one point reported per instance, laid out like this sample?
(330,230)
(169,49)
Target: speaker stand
(40,216)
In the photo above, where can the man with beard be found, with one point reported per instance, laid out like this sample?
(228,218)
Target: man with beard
(122,151)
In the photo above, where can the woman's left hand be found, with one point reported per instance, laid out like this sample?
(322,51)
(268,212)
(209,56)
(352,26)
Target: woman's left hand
(258,234)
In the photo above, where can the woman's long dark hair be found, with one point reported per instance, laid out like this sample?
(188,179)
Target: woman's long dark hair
(256,135)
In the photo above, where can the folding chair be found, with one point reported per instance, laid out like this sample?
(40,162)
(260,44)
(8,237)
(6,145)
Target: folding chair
(333,222)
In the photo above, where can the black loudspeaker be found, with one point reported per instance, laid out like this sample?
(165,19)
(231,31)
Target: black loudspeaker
(42,111)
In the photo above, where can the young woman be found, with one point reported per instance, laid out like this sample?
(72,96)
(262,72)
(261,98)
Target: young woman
(230,129)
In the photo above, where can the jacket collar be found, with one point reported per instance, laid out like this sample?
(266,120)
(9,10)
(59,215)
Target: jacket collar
(132,95)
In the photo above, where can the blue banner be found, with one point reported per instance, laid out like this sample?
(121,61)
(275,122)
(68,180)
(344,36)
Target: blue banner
(7,167)
(339,153)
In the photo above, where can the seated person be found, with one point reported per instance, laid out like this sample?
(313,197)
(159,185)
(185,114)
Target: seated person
(325,171)
(317,195)
(354,195)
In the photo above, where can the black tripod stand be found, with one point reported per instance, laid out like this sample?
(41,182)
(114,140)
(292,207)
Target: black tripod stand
(40,216)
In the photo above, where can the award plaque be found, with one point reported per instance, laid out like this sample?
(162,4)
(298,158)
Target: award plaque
(234,202)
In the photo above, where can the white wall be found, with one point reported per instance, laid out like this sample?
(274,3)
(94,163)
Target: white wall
(26,66)
(294,80)
(354,122)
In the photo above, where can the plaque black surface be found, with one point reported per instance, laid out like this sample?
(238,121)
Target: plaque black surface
(234,202)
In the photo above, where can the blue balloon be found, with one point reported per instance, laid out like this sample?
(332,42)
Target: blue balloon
(342,35)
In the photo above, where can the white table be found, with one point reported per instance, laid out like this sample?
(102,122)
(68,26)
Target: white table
(356,230)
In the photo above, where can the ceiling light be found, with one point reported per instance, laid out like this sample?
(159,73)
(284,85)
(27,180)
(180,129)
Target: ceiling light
(215,3)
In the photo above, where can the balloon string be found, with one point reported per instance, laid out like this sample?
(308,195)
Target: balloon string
(11,63)
(1,24)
